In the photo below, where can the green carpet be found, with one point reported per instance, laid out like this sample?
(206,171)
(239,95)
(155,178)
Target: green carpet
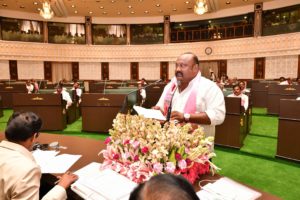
(255,164)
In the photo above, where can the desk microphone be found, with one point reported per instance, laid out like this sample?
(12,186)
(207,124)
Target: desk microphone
(126,98)
(170,105)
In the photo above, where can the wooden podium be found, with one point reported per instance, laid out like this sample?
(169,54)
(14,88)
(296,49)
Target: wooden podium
(277,92)
(49,107)
(7,91)
(288,143)
(233,130)
(99,110)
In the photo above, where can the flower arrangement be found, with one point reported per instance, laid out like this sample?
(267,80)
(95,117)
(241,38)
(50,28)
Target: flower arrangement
(139,148)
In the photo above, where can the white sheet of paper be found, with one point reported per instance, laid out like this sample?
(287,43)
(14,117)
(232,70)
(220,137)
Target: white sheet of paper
(227,189)
(50,163)
(94,184)
(149,113)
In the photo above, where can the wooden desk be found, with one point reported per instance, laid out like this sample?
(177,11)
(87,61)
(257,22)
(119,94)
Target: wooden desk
(233,130)
(288,143)
(49,107)
(1,107)
(277,92)
(7,91)
(99,110)
(77,145)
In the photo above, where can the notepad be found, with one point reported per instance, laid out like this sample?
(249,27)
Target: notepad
(106,184)
(149,113)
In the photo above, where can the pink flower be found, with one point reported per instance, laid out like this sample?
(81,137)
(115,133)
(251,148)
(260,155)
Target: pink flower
(182,164)
(188,162)
(145,150)
(135,144)
(116,156)
(178,156)
(125,142)
(136,158)
(107,140)
(170,167)
(158,167)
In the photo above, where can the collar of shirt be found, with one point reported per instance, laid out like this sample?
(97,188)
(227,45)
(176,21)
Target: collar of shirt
(16,147)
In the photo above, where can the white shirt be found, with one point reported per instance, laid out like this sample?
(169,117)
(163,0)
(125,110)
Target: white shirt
(284,83)
(20,175)
(244,99)
(210,100)
(29,88)
(143,93)
(298,98)
(66,96)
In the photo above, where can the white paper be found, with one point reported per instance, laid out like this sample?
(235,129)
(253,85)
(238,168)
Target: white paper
(94,184)
(149,113)
(227,189)
(50,163)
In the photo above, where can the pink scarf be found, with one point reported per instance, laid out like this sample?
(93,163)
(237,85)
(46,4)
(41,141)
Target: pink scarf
(190,106)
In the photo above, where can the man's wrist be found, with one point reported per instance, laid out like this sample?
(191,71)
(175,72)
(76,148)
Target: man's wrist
(186,117)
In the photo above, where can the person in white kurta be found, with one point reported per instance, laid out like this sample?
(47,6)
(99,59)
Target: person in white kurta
(65,95)
(237,92)
(20,175)
(208,107)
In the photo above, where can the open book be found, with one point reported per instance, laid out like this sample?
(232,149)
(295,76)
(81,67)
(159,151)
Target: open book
(149,113)
(94,184)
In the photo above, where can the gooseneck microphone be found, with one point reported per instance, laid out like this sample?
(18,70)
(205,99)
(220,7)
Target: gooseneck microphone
(126,98)
(170,105)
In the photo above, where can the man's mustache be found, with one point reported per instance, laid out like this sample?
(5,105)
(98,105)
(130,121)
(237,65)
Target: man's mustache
(179,74)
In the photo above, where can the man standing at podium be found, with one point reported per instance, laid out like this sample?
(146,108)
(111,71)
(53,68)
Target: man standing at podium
(190,97)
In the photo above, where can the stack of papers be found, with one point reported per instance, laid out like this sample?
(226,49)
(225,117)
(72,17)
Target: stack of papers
(149,113)
(227,189)
(50,163)
(94,184)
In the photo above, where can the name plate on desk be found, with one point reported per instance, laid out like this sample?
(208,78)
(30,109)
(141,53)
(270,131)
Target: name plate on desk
(290,89)
(9,87)
(37,99)
(103,99)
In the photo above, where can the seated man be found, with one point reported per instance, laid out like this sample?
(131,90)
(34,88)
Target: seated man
(242,85)
(20,175)
(29,87)
(164,186)
(237,92)
(142,93)
(65,95)
(283,81)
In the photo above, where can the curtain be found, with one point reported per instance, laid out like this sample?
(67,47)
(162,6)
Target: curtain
(33,26)
(117,30)
(207,67)
(75,29)
(60,71)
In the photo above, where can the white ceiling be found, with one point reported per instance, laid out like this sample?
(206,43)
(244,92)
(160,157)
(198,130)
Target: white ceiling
(119,8)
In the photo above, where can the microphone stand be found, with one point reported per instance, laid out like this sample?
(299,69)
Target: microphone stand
(170,105)
(126,98)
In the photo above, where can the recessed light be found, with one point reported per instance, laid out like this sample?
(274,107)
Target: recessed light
(228,2)
(75,11)
(146,11)
(113,1)
(104,12)
(91,12)
(4,5)
(132,12)
(38,9)
(160,11)
(189,8)
(157,5)
(130,6)
(35,3)
(245,17)
(119,13)
(22,7)
(101,7)
(174,9)
(245,0)
(98,1)
(73,6)
(187,2)
(209,21)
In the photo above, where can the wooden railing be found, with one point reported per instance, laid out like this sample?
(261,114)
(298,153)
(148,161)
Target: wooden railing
(212,33)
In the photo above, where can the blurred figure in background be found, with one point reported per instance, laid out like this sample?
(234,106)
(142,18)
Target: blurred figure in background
(78,91)
(65,95)
(29,87)
(237,92)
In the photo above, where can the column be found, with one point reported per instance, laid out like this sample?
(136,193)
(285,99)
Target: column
(258,8)
(166,29)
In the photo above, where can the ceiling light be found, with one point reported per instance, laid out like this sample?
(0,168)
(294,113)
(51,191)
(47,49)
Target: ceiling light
(22,6)
(157,5)
(119,13)
(228,2)
(104,12)
(75,11)
(187,2)
(200,7)
(91,12)
(113,1)
(101,7)
(35,3)
(129,6)
(132,12)
(4,5)
(146,11)
(174,9)
(73,6)
(160,11)
(46,11)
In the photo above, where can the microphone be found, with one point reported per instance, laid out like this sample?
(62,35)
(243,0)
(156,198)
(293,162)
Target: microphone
(170,105)
(126,97)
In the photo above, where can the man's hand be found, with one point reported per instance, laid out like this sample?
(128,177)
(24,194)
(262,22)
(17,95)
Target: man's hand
(157,108)
(175,115)
(67,179)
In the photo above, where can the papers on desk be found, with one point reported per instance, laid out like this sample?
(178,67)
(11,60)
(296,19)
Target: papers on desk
(227,189)
(149,113)
(50,163)
(94,184)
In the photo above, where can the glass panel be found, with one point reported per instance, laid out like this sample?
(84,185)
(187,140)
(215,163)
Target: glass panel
(62,33)
(109,34)
(147,34)
(283,20)
(22,30)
